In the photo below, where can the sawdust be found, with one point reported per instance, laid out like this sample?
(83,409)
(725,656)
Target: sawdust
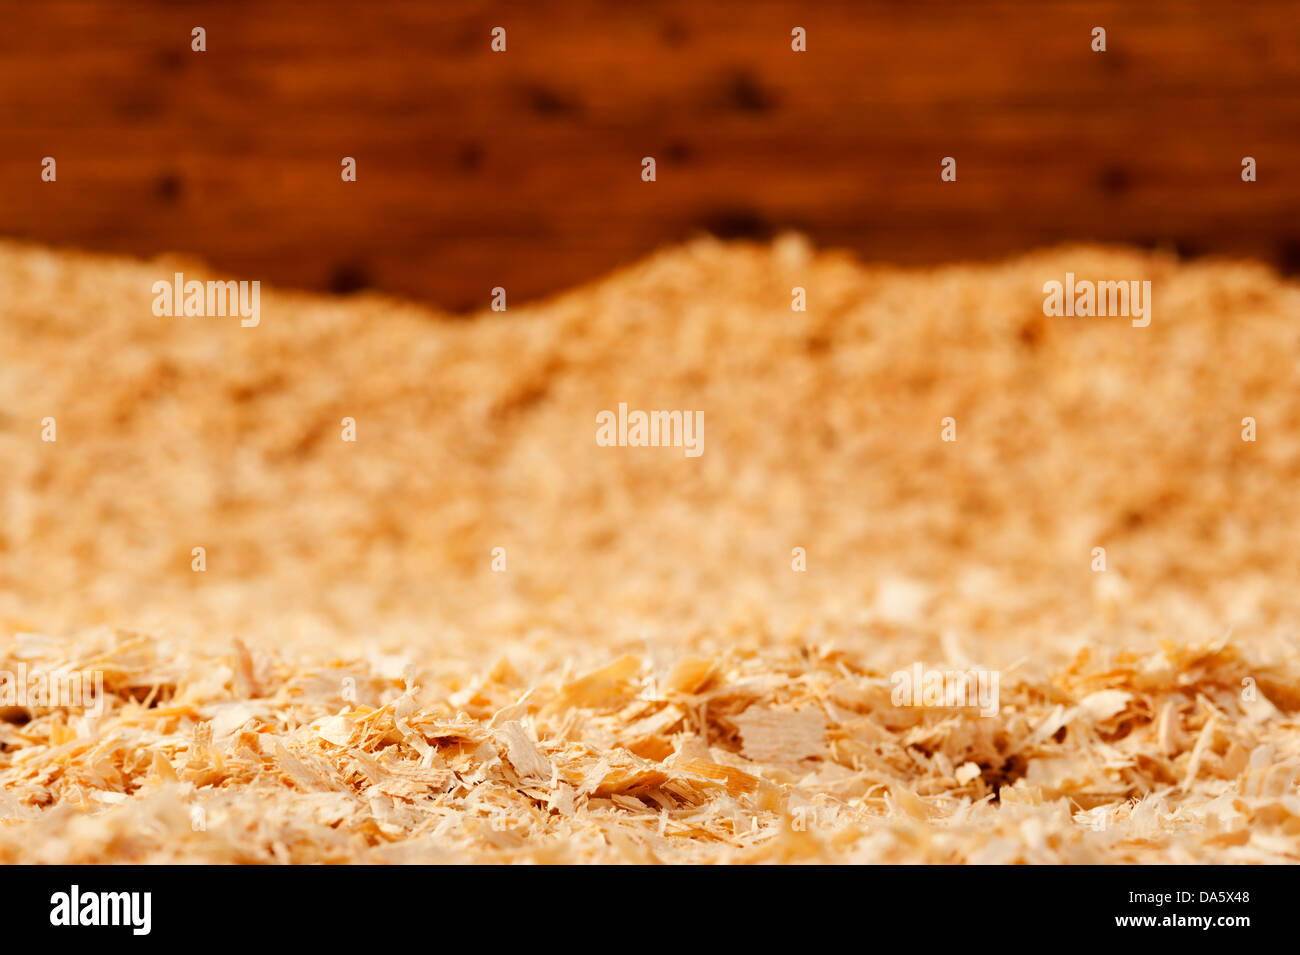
(649,679)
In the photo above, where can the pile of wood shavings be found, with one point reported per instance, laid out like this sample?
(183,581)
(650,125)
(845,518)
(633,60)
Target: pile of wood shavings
(740,757)
(349,680)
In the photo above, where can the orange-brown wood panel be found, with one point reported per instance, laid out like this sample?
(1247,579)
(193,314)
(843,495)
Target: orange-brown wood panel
(522,169)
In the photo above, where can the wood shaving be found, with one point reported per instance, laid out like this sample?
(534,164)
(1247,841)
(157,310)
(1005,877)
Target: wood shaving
(649,678)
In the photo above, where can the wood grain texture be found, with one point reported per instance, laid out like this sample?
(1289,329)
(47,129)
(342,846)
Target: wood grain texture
(522,169)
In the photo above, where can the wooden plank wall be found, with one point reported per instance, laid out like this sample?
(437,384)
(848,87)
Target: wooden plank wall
(522,169)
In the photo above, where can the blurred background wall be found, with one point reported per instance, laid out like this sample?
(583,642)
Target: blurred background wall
(522,169)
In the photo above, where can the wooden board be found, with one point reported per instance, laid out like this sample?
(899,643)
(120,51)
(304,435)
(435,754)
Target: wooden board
(522,169)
